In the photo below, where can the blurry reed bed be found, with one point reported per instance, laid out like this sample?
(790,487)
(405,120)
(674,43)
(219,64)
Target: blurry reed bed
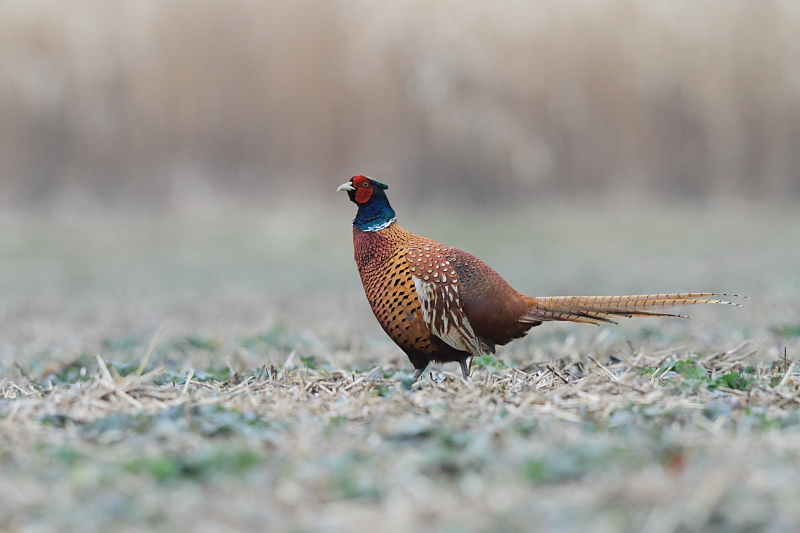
(155,104)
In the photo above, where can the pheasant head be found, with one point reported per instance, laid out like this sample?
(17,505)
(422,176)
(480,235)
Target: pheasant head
(374,211)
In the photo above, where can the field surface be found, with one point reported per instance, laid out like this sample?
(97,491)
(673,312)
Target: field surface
(224,373)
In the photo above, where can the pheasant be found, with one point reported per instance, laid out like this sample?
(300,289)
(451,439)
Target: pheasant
(440,304)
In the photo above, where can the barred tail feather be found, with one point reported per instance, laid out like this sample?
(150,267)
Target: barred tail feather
(602,309)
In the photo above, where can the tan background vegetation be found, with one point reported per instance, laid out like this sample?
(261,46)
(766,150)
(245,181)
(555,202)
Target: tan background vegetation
(151,102)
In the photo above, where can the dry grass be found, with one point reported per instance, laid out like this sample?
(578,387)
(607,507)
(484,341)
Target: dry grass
(273,401)
(651,443)
(567,391)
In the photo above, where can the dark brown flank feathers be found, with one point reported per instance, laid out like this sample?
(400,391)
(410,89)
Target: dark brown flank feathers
(442,304)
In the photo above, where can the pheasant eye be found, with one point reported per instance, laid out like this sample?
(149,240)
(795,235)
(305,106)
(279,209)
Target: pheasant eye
(365,184)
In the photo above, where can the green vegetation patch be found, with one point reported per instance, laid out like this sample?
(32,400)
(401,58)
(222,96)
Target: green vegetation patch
(204,464)
(789,331)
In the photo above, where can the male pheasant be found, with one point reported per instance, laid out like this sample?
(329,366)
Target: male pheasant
(441,304)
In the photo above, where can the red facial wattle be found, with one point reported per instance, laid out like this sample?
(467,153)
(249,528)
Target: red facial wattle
(363,189)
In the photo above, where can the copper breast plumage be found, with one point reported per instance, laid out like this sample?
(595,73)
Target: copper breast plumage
(439,303)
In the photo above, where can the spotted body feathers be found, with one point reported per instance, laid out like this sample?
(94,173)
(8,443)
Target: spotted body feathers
(442,304)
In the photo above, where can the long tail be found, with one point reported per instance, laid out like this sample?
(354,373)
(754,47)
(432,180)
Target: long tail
(602,309)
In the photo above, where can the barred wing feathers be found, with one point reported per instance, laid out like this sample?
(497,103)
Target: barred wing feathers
(439,291)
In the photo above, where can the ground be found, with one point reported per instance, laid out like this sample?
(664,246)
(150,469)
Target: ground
(224,373)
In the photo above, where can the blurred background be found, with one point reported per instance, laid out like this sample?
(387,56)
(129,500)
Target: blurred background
(146,103)
(177,160)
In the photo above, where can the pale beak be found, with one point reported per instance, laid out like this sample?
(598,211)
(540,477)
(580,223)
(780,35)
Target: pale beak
(345,187)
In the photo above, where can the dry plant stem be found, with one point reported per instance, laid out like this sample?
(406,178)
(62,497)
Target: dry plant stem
(603,368)
(188,380)
(153,343)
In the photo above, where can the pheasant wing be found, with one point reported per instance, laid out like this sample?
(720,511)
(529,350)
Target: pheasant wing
(439,292)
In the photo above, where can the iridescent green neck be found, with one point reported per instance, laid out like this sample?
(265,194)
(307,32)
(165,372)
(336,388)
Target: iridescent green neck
(375,214)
